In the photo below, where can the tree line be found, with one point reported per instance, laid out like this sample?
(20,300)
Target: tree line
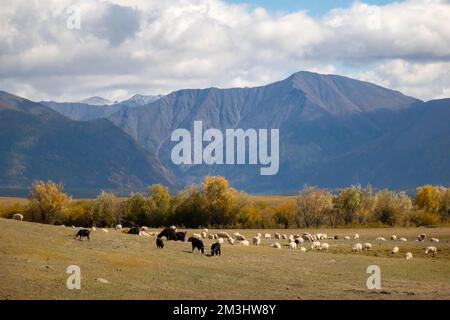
(215,204)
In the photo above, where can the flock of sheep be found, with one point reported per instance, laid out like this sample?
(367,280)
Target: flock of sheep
(294,241)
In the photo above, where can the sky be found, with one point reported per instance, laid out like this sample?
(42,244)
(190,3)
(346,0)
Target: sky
(67,50)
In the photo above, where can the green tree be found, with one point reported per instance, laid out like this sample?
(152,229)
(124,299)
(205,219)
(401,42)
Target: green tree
(159,204)
(348,203)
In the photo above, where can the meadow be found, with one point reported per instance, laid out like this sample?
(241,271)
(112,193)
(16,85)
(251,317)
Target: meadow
(34,258)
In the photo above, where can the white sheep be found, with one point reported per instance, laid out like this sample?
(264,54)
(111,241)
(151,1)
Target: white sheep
(267,236)
(259,235)
(204,235)
(315,245)
(324,246)
(210,236)
(299,240)
(17,216)
(284,237)
(347,238)
(431,250)
(395,250)
(93,228)
(421,237)
(173,228)
(230,241)
(220,240)
(145,234)
(239,237)
(380,239)
(367,246)
(302,249)
(434,239)
(321,236)
(276,245)
(292,245)
(105,230)
(244,243)
(144,228)
(394,237)
(403,239)
(277,236)
(223,235)
(356,236)
(408,256)
(357,247)
(205,230)
(119,226)
(256,241)
(197,236)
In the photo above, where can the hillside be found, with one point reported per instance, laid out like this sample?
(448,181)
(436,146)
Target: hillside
(38,143)
(34,267)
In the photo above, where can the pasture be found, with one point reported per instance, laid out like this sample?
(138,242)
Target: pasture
(34,258)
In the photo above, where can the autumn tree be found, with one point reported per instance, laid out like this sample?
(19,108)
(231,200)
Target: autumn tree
(159,204)
(313,205)
(47,201)
(391,208)
(348,204)
(427,198)
(104,210)
(284,214)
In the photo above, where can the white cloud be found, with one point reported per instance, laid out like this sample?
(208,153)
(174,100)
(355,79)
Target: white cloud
(152,47)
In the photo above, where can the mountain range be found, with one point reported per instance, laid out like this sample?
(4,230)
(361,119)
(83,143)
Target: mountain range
(334,132)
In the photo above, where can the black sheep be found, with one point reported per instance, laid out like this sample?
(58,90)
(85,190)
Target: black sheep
(215,249)
(134,230)
(169,233)
(83,233)
(159,243)
(197,244)
(180,236)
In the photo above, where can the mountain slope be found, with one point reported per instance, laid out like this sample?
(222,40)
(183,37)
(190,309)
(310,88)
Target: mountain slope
(85,111)
(320,117)
(38,143)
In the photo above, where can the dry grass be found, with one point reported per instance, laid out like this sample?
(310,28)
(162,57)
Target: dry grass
(34,258)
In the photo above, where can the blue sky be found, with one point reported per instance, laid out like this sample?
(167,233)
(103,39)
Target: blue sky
(314,7)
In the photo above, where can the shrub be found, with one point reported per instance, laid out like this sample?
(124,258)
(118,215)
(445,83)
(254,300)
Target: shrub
(422,218)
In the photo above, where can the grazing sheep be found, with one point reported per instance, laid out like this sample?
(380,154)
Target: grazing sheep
(144,228)
(308,237)
(144,234)
(105,230)
(222,234)
(431,250)
(324,246)
(204,235)
(17,216)
(367,246)
(357,247)
(244,243)
(403,239)
(302,249)
(180,236)
(63,226)
(267,236)
(239,237)
(256,241)
(197,236)
(395,250)
(315,245)
(291,238)
(277,236)
(73,227)
(210,236)
(299,240)
(216,249)
(408,256)
(276,245)
(173,228)
(134,230)
(93,228)
(321,236)
(421,237)
(331,238)
(197,244)
(83,233)
(292,246)
(259,235)
(220,240)
(119,226)
(347,238)
(284,237)
(356,236)
(380,239)
(205,230)
(230,241)
(394,237)
(159,243)
(434,240)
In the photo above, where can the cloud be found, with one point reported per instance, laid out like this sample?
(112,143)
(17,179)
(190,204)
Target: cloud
(152,47)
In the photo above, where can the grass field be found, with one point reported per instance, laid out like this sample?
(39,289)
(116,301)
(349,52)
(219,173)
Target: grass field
(34,258)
